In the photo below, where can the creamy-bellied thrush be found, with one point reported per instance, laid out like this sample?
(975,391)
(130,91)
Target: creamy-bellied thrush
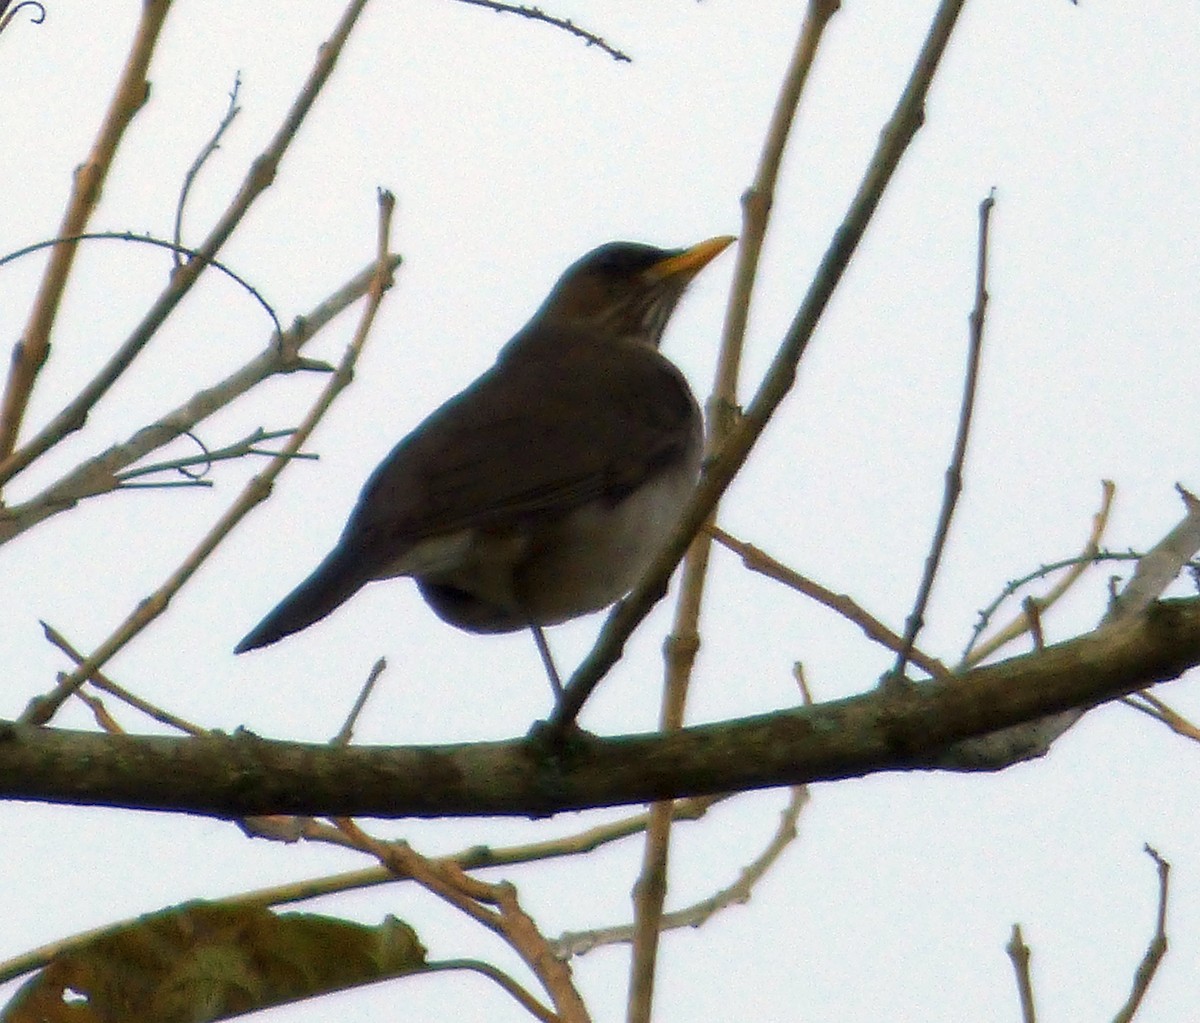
(543,490)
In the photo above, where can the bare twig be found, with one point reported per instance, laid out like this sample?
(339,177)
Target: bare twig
(973,655)
(36,17)
(893,141)
(1032,610)
(98,475)
(806,697)
(523,997)
(493,905)
(33,348)
(1152,706)
(40,709)
(103,718)
(1161,565)
(1156,570)
(262,172)
(1157,947)
(307,828)
(680,651)
(575,943)
(147,239)
(248,445)
(346,732)
(1018,952)
(210,147)
(954,473)
(537,14)
(102,681)
(758,560)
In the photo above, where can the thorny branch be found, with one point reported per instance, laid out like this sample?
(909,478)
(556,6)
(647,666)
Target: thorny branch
(537,14)
(973,654)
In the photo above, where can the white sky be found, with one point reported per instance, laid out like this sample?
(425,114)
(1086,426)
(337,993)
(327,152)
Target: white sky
(512,150)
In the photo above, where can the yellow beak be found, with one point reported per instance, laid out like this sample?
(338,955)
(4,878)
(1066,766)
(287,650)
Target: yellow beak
(690,261)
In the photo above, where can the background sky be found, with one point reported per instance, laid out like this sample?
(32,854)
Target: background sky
(512,149)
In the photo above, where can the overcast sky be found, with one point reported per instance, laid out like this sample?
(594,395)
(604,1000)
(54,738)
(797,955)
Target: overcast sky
(512,149)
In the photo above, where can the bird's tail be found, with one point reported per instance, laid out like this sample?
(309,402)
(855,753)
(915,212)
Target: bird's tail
(333,582)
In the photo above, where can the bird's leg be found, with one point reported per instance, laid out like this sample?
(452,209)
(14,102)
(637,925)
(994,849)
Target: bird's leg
(539,637)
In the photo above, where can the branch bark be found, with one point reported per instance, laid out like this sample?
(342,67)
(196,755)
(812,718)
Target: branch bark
(883,730)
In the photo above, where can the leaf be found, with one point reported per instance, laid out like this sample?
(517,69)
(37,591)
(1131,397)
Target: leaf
(200,961)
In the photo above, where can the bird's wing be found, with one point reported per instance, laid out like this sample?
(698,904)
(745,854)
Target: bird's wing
(557,423)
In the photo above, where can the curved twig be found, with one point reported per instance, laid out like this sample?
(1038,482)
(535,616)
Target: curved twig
(210,147)
(146,239)
(537,14)
(1091,554)
(36,18)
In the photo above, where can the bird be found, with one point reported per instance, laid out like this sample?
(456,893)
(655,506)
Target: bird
(543,490)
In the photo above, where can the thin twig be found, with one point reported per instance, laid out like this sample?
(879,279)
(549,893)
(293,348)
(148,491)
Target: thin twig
(33,348)
(74,414)
(758,560)
(1152,706)
(649,892)
(292,829)
(973,655)
(41,708)
(346,732)
(574,943)
(210,147)
(537,14)
(954,473)
(98,475)
(102,681)
(100,713)
(526,1000)
(777,383)
(494,906)
(1018,952)
(148,239)
(1157,947)
(37,16)
(248,445)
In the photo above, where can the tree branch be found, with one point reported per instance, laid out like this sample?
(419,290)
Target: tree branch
(242,775)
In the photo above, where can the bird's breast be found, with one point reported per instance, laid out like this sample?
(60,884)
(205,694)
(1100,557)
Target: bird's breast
(594,555)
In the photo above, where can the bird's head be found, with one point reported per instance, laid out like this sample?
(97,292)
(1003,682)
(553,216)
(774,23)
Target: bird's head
(626,289)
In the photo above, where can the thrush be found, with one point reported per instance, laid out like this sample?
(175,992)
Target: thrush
(543,490)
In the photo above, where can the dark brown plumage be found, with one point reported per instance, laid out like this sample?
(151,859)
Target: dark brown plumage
(542,491)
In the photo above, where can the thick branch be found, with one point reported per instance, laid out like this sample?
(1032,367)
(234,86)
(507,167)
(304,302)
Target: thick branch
(882,730)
